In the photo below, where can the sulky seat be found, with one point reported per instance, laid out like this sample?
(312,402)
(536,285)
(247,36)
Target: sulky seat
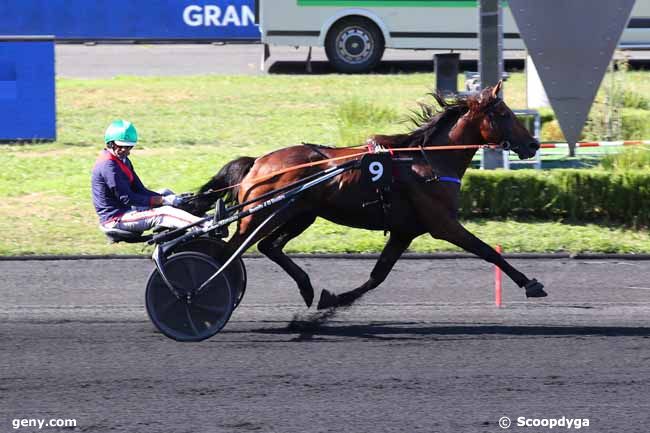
(116,235)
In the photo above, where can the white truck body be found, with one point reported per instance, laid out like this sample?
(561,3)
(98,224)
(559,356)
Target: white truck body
(406,24)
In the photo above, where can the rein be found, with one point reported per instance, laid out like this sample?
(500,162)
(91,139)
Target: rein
(391,150)
(354,155)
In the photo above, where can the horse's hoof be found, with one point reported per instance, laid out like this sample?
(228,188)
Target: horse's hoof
(535,289)
(327,300)
(307,296)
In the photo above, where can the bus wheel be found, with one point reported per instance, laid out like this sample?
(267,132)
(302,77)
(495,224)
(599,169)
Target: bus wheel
(354,45)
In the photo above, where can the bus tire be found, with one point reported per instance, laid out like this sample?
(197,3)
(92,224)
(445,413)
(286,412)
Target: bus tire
(354,45)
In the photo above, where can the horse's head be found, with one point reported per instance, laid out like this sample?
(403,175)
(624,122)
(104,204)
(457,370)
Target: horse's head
(499,125)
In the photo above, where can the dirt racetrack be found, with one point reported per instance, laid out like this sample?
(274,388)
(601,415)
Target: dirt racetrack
(426,352)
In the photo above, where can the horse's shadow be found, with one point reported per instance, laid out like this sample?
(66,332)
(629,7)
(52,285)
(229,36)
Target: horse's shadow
(321,325)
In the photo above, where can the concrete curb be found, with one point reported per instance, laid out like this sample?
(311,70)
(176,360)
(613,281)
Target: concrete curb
(356,256)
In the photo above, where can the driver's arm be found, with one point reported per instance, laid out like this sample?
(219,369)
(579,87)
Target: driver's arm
(121,187)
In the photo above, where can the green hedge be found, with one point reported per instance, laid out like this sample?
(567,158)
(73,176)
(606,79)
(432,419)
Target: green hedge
(577,195)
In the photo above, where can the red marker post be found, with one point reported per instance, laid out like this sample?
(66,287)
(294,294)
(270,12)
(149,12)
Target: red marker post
(497,281)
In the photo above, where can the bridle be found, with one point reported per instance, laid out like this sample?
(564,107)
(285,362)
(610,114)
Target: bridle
(505,141)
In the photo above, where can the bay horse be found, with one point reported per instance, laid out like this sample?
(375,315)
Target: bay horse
(424,198)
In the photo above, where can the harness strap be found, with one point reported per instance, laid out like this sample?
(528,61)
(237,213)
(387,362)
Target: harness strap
(314,147)
(449,179)
(374,147)
(292,168)
(434,176)
(354,155)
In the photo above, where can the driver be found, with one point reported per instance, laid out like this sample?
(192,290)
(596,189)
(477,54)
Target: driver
(120,199)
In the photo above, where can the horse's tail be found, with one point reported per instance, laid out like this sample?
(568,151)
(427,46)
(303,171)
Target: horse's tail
(230,175)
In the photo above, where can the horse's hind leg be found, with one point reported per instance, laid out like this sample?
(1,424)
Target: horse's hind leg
(396,245)
(272,245)
(248,225)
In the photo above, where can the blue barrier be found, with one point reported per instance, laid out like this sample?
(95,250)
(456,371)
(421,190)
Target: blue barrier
(27,101)
(211,20)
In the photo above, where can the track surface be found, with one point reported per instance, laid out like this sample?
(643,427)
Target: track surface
(110,60)
(427,352)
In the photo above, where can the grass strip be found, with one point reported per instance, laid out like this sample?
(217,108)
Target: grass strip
(189,127)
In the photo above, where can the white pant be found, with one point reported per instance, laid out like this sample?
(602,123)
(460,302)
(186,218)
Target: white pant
(164,216)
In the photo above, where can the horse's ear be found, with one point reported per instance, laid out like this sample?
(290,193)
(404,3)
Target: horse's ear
(497,89)
(474,103)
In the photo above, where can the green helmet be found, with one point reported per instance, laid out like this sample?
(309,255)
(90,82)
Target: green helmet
(122,132)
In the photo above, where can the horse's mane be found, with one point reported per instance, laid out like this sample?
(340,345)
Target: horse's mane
(429,121)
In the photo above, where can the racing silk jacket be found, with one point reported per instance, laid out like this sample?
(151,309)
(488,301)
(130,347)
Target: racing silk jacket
(116,188)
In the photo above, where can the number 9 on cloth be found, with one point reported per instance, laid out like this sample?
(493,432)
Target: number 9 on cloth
(376,170)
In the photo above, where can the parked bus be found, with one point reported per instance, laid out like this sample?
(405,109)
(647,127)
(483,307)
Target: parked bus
(356,32)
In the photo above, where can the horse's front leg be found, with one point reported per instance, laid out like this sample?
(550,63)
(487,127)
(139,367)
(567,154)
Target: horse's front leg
(452,231)
(440,223)
(396,245)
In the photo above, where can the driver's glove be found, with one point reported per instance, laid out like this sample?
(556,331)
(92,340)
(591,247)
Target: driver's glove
(172,200)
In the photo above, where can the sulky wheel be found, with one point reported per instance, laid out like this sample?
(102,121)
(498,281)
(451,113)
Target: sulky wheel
(217,249)
(190,316)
